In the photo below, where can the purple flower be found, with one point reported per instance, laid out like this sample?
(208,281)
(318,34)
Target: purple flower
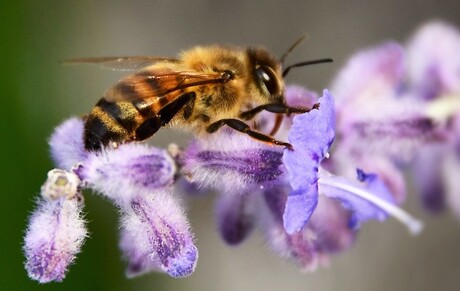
(398,107)
(290,182)
(138,179)
(56,229)
(311,145)
(327,232)
(434,76)
(66,144)
(159,236)
(374,113)
(234,216)
(433,60)
(377,127)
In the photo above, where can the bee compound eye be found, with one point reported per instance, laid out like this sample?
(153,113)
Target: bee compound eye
(268,79)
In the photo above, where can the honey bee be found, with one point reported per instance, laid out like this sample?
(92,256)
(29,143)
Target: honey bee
(205,88)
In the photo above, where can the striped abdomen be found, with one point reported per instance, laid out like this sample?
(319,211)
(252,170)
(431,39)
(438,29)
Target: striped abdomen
(121,122)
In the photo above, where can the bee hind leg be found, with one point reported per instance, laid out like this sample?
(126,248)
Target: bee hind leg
(244,128)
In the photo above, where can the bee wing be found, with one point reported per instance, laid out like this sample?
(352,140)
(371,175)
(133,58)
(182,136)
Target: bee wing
(160,82)
(121,63)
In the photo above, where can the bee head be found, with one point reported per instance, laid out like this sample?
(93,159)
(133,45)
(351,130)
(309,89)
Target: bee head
(267,75)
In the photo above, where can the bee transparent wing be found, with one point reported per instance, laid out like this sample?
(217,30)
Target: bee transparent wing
(155,83)
(132,63)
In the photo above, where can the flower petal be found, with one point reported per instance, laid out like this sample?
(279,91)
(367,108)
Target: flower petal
(428,174)
(299,207)
(330,224)
(298,246)
(451,168)
(362,210)
(123,172)
(159,232)
(234,221)
(434,61)
(345,161)
(372,201)
(54,237)
(231,161)
(137,255)
(311,136)
(373,73)
(66,144)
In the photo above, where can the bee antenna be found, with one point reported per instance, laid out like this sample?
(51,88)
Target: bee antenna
(292,47)
(306,63)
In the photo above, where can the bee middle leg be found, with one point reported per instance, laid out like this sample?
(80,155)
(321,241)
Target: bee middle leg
(244,128)
(171,109)
(163,117)
(276,108)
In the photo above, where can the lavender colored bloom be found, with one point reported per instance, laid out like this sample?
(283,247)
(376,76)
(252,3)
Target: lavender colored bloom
(433,60)
(310,147)
(327,232)
(228,169)
(434,74)
(412,101)
(298,246)
(137,258)
(66,143)
(56,229)
(369,74)
(290,182)
(372,114)
(138,179)
(427,171)
(362,210)
(234,216)
(160,236)
(130,169)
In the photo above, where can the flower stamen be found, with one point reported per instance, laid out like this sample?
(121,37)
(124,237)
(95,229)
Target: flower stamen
(414,225)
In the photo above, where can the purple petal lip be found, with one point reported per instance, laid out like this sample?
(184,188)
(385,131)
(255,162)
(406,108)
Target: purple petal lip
(54,237)
(234,221)
(382,66)
(138,258)
(433,60)
(311,136)
(258,165)
(128,170)
(160,237)
(300,205)
(66,144)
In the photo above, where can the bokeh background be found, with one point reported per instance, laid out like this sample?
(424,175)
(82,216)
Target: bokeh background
(37,93)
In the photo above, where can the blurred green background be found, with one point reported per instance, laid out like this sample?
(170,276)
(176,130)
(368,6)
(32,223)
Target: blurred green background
(37,93)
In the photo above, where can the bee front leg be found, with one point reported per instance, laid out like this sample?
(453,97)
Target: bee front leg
(276,108)
(244,128)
